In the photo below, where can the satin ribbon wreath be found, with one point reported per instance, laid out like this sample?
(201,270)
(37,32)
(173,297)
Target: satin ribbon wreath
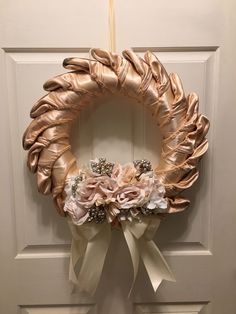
(183,130)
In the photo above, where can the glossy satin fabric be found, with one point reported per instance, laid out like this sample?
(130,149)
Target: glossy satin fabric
(90,243)
(144,79)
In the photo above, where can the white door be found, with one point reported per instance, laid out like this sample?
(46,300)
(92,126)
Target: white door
(193,38)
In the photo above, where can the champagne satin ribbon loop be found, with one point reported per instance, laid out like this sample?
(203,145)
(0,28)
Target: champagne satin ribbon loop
(89,242)
(139,240)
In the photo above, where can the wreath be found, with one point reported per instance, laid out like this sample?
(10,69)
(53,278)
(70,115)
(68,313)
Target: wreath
(134,196)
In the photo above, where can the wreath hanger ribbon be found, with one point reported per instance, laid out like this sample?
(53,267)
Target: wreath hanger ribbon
(90,245)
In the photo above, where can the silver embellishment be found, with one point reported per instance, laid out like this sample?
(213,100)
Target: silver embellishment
(97,214)
(102,166)
(75,185)
(143,165)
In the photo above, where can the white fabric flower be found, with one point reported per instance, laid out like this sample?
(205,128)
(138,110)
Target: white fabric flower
(157,199)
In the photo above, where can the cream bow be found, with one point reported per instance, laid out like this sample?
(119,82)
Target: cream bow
(139,240)
(90,243)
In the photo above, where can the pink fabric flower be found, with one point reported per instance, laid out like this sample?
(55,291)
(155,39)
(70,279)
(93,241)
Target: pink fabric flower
(124,175)
(96,190)
(130,196)
(147,183)
(77,213)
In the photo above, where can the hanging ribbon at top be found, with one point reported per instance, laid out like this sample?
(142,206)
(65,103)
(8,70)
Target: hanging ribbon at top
(112,26)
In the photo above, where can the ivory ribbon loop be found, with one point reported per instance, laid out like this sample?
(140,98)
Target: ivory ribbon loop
(133,246)
(90,243)
(139,240)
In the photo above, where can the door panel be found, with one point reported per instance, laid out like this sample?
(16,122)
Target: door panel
(194,39)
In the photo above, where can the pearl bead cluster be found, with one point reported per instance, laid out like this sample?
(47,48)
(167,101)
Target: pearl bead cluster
(102,167)
(146,211)
(97,214)
(124,214)
(75,185)
(143,165)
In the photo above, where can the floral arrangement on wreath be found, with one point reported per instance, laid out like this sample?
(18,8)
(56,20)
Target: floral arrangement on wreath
(134,196)
(106,191)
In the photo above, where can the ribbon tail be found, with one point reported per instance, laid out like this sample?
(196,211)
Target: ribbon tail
(155,264)
(134,251)
(78,247)
(93,260)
